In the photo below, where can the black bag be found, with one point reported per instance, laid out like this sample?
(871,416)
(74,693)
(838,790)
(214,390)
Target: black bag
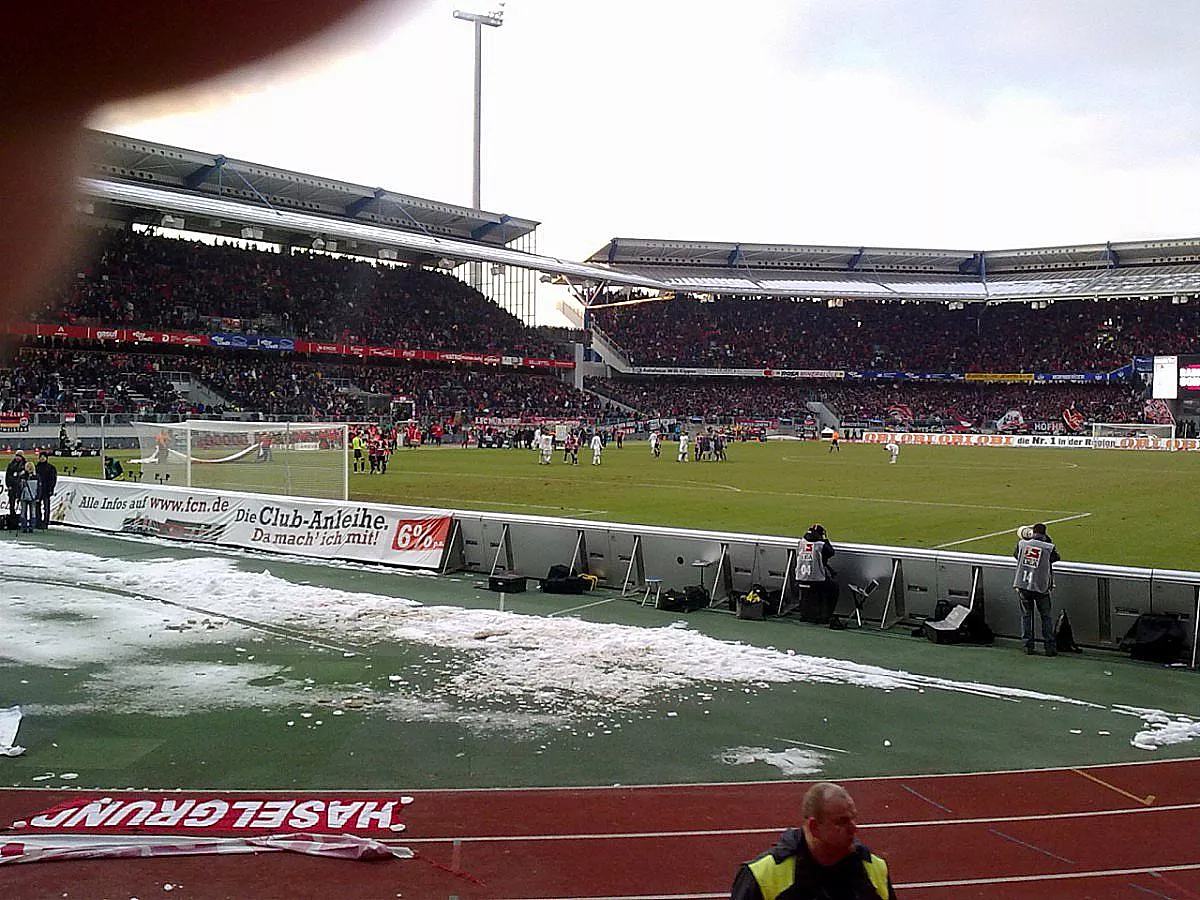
(696,597)
(1064,636)
(559,572)
(572,584)
(1156,637)
(672,600)
(750,606)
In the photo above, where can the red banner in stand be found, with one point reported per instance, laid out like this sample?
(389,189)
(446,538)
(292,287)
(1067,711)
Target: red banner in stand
(358,351)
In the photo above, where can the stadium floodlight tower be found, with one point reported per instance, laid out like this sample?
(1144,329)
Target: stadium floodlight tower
(492,20)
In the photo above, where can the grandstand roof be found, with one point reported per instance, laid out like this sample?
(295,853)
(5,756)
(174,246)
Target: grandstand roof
(113,157)
(1135,268)
(136,181)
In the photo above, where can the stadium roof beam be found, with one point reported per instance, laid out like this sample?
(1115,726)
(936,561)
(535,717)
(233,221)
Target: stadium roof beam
(200,175)
(478,234)
(354,207)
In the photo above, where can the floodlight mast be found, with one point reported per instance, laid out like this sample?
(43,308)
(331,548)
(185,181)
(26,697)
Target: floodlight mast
(493,20)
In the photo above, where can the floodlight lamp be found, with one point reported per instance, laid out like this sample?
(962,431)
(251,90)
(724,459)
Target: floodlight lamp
(318,243)
(251,233)
(170,221)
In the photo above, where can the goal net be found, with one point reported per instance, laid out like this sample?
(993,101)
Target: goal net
(1133,430)
(303,459)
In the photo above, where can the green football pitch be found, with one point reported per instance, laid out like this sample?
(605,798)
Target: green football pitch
(1115,507)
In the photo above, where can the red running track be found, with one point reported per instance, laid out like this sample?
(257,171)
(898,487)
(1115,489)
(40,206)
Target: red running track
(1105,832)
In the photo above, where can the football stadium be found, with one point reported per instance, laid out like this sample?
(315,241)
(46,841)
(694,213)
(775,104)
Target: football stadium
(323,557)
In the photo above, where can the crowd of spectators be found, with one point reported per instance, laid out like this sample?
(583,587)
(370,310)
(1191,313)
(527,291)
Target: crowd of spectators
(138,279)
(870,335)
(43,380)
(46,379)
(902,404)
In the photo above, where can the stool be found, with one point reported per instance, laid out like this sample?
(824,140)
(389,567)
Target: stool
(861,594)
(654,584)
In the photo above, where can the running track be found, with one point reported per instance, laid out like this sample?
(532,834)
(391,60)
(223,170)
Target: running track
(1128,831)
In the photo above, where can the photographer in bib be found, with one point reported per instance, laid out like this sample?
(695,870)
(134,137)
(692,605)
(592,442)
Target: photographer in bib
(1034,580)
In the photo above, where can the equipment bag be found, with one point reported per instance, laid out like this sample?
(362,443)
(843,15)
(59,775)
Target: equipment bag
(1156,637)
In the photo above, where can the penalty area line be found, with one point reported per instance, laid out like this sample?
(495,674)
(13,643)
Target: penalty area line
(992,534)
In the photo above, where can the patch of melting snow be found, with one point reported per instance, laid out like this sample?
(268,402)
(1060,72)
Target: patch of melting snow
(506,670)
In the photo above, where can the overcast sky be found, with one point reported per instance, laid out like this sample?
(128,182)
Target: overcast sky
(960,124)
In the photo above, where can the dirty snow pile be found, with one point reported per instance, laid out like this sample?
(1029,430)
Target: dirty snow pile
(545,668)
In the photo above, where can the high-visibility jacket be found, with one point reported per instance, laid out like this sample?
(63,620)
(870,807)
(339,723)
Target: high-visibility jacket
(787,872)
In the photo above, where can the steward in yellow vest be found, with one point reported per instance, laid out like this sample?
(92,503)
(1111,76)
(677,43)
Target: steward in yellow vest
(821,861)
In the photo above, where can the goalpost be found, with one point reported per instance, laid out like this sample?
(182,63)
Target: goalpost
(1107,436)
(1132,430)
(303,459)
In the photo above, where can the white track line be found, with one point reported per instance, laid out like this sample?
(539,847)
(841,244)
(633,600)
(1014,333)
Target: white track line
(720,832)
(1016,879)
(981,537)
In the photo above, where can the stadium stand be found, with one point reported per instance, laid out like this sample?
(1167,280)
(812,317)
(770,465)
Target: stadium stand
(1068,335)
(907,405)
(60,380)
(138,279)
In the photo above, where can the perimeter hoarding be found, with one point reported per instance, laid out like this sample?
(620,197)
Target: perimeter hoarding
(366,532)
(1064,441)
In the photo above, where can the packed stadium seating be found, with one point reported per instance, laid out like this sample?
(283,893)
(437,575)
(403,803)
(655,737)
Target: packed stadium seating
(946,405)
(59,380)
(137,279)
(1069,335)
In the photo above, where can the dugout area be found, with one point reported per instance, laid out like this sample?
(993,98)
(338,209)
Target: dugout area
(324,677)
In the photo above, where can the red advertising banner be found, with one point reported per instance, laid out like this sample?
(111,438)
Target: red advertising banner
(359,351)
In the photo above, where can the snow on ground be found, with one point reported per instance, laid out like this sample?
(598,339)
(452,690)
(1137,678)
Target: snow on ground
(527,669)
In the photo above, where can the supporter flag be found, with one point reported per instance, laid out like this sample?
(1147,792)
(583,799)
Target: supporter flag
(960,420)
(1158,412)
(1011,421)
(1072,418)
(901,412)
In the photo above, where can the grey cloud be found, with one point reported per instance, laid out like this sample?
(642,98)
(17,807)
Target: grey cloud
(1133,63)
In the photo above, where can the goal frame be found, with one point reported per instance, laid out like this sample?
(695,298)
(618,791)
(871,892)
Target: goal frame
(1157,430)
(189,427)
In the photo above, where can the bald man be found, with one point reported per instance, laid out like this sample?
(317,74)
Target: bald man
(821,859)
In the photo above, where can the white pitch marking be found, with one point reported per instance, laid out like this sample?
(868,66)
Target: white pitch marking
(981,537)
(814,746)
(563,612)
